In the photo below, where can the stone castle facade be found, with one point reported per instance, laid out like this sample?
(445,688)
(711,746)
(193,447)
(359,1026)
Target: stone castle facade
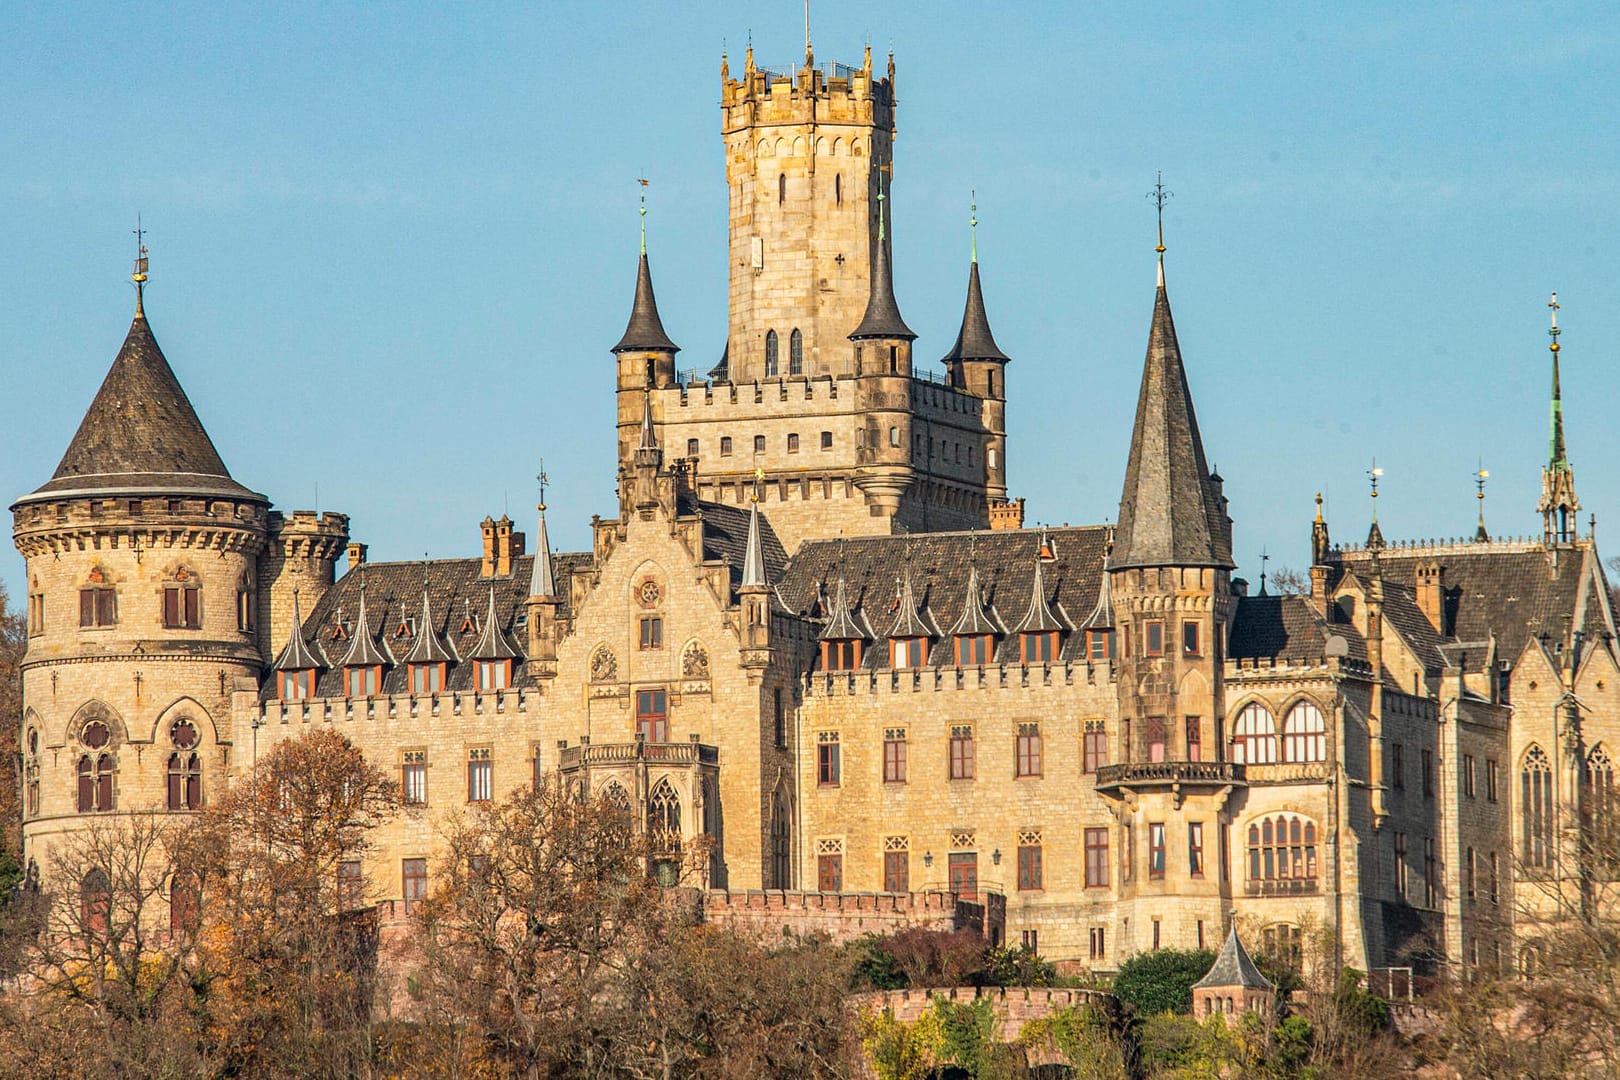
(816,632)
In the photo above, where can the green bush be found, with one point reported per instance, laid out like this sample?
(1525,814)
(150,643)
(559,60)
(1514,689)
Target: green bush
(1161,981)
(1017,965)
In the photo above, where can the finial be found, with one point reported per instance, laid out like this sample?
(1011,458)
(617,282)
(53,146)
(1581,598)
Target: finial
(1480,476)
(809,57)
(1554,332)
(973,223)
(881,169)
(759,484)
(643,182)
(1159,195)
(1373,474)
(139,276)
(541,478)
(1265,558)
(1319,508)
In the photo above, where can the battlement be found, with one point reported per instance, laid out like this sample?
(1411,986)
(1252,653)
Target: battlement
(827,83)
(947,678)
(514,703)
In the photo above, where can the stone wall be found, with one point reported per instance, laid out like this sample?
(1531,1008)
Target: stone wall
(839,916)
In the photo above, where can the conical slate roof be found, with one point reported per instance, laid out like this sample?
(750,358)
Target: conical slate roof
(1234,968)
(428,648)
(841,625)
(297,655)
(975,619)
(141,434)
(1040,617)
(975,341)
(907,622)
(1169,512)
(882,318)
(646,330)
(542,579)
(492,644)
(364,651)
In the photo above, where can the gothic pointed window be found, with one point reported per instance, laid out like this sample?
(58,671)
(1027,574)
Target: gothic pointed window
(772,354)
(185,898)
(1535,809)
(796,352)
(1254,736)
(185,767)
(1602,801)
(781,842)
(1304,734)
(664,830)
(95,901)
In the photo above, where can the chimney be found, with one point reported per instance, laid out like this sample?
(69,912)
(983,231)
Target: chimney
(1431,594)
(488,527)
(357,554)
(503,547)
(1319,590)
(1007,515)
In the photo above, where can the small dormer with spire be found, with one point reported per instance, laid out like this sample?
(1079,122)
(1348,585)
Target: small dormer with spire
(544,601)
(493,655)
(298,663)
(843,638)
(1040,631)
(1099,625)
(366,659)
(1559,507)
(429,658)
(974,634)
(910,635)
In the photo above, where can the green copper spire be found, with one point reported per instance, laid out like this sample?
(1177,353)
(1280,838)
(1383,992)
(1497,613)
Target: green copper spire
(1558,457)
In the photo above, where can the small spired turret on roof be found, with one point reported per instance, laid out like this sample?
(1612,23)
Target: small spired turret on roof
(645,333)
(976,619)
(908,622)
(754,574)
(492,643)
(543,578)
(364,650)
(882,318)
(428,647)
(1233,985)
(298,654)
(841,624)
(1040,618)
(1102,616)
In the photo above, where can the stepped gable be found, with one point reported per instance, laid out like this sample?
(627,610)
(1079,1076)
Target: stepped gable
(1513,590)
(1286,628)
(455,587)
(940,567)
(141,435)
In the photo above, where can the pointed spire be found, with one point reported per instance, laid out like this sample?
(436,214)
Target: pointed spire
(974,341)
(1558,505)
(139,275)
(492,643)
(754,574)
(1234,968)
(1039,618)
(297,655)
(975,619)
(1557,457)
(363,648)
(882,318)
(1170,511)
(1320,542)
(649,435)
(1375,535)
(908,623)
(841,625)
(645,332)
(428,648)
(1102,616)
(542,579)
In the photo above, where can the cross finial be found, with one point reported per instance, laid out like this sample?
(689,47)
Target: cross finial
(973,222)
(1159,195)
(1554,331)
(541,479)
(1265,558)
(139,276)
(643,182)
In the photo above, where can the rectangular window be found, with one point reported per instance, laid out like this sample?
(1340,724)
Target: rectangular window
(964,874)
(97,607)
(244,611)
(1468,775)
(182,607)
(1468,875)
(826,440)
(1495,896)
(480,775)
(1428,774)
(1099,943)
(1195,739)
(972,650)
(1156,738)
(1156,849)
(1153,638)
(1029,867)
(1030,939)
(493,674)
(1400,865)
(725,446)
(413,778)
(652,715)
(841,655)
(297,685)
(1029,750)
(537,776)
(1127,852)
(828,767)
(427,678)
(652,632)
(759,444)
(894,755)
(691,448)
(1431,879)
(351,886)
(1397,767)
(830,873)
(1100,644)
(897,871)
(36,613)
(361,681)
(1096,858)
(962,752)
(793,443)
(1195,848)
(1190,644)
(413,876)
(906,653)
(779,715)
(1490,779)
(1039,648)
(1094,747)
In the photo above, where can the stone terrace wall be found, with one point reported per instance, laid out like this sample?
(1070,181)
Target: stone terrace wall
(1014,1005)
(839,916)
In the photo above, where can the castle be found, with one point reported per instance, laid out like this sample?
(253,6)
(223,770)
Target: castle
(816,632)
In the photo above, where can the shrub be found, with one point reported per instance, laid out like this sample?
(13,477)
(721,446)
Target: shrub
(1161,981)
(1017,966)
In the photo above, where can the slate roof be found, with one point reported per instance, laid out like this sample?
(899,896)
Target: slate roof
(882,318)
(394,606)
(1286,628)
(141,435)
(725,536)
(1234,968)
(645,330)
(1169,512)
(365,648)
(492,641)
(941,565)
(974,341)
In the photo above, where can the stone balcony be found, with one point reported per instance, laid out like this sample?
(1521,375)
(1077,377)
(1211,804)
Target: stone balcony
(598,755)
(1174,776)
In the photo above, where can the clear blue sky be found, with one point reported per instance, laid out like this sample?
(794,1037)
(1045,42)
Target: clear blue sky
(391,244)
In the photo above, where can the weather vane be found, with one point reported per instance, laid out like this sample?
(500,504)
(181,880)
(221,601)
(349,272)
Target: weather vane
(759,484)
(139,276)
(1373,475)
(643,182)
(1159,195)
(541,478)
(1265,558)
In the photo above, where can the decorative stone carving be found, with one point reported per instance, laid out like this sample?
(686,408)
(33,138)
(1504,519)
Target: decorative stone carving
(695,661)
(604,665)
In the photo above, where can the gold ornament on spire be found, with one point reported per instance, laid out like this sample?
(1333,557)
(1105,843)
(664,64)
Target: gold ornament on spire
(139,276)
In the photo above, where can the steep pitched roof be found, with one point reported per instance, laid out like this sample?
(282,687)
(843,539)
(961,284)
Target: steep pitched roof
(1039,618)
(542,578)
(427,647)
(492,644)
(645,331)
(976,619)
(297,654)
(1169,512)
(364,650)
(141,434)
(1287,628)
(974,341)
(754,575)
(1234,968)
(907,622)
(882,318)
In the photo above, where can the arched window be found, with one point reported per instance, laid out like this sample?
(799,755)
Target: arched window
(781,189)
(185,767)
(1254,736)
(664,818)
(31,773)
(96,782)
(1304,734)
(185,898)
(1601,804)
(1535,803)
(772,357)
(795,352)
(1282,848)
(781,842)
(615,797)
(95,901)
(838,189)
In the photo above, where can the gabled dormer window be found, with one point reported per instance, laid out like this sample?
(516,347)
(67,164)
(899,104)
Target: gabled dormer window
(493,674)
(296,685)
(909,652)
(974,650)
(427,678)
(363,681)
(841,655)
(1039,648)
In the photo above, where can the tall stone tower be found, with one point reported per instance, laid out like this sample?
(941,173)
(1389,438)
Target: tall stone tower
(142,556)
(1169,578)
(804,152)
